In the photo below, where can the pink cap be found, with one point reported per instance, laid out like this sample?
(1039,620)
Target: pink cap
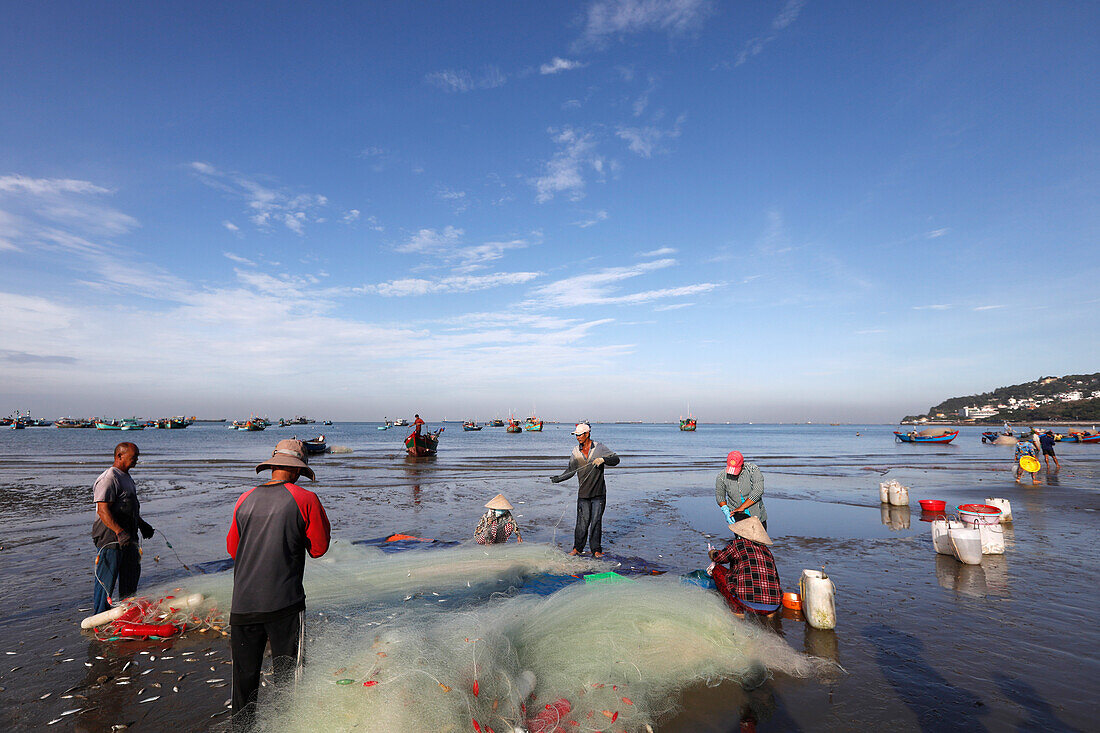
(734,462)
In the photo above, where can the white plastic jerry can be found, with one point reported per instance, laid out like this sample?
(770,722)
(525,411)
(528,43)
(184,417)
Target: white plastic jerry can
(1004,506)
(899,495)
(967,543)
(940,539)
(992,536)
(818,602)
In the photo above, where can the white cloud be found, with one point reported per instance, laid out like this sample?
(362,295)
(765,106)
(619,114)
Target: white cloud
(452,284)
(662,252)
(267,206)
(430,241)
(460,80)
(607,18)
(599,288)
(565,171)
(671,307)
(936,307)
(457,199)
(558,64)
(49,186)
(351,215)
(990,307)
(646,140)
(371,152)
(230,226)
(936,233)
(237,258)
(755,46)
(593,220)
(869,331)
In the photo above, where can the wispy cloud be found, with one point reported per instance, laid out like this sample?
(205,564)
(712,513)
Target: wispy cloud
(49,186)
(869,331)
(662,252)
(565,172)
(671,307)
(646,140)
(452,284)
(990,307)
(232,256)
(267,206)
(458,200)
(934,307)
(351,215)
(755,46)
(432,242)
(231,226)
(447,246)
(609,18)
(601,288)
(558,64)
(936,233)
(461,80)
(592,220)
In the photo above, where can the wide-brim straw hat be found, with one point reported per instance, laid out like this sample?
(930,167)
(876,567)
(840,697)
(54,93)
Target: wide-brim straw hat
(289,454)
(499,502)
(751,529)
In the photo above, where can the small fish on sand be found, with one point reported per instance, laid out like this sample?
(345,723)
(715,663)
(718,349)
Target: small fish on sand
(149,699)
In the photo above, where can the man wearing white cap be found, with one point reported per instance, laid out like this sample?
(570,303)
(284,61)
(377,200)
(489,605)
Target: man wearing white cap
(497,524)
(587,462)
(274,525)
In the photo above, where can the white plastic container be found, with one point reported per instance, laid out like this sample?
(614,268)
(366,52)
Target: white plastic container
(1004,506)
(940,539)
(884,491)
(899,495)
(818,601)
(967,543)
(993,537)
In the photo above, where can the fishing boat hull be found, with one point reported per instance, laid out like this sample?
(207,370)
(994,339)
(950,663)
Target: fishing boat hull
(471,428)
(911,438)
(496,423)
(1088,438)
(688,426)
(107,426)
(421,445)
(315,446)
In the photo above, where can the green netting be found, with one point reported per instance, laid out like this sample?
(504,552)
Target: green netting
(608,577)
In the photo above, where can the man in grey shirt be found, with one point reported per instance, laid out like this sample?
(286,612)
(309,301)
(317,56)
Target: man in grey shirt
(739,490)
(118,520)
(587,462)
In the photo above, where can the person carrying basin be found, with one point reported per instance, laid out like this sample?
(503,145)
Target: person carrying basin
(1025,448)
(587,462)
(751,582)
(497,524)
(739,490)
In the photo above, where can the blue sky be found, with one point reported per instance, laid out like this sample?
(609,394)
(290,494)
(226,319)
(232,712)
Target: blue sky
(615,209)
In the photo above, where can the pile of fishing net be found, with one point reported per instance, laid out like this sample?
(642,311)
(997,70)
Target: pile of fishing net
(350,578)
(608,656)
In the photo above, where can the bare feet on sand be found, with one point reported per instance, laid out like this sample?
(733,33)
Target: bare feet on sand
(597,554)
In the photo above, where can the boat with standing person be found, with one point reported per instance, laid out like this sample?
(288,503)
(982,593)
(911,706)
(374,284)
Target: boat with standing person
(419,445)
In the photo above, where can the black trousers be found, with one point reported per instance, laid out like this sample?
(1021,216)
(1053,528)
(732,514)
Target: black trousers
(589,524)
(248,641)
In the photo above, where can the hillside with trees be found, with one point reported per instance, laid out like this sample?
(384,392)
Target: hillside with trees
(1044,399)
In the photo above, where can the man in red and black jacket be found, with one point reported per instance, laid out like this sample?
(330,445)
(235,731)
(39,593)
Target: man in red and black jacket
(274,526)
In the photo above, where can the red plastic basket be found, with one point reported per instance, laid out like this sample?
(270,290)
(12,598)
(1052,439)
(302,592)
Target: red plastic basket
(933,505)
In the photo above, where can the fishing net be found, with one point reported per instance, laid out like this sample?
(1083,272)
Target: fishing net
(590,657)
(450,640)
(355,577)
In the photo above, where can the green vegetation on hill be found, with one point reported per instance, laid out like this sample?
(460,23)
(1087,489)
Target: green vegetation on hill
(1084,409)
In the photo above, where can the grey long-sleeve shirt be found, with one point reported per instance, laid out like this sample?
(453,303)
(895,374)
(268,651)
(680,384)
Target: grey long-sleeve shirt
(589,476)
(749,484)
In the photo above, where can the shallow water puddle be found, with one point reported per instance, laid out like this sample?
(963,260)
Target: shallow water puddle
(807,518)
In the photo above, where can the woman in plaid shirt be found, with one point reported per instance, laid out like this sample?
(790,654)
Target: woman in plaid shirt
(751,583)
(497,524)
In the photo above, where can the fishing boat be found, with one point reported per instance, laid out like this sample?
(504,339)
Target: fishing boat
(496,422)
(513,426)
(470,425)
(1083,436)
(131,424)
(533,424)
(928,435)
(422,444)
(687,424)
(107,425)
(16,425)
(254,425)
(316,445)
(400,423)
(327,422)
(68,422)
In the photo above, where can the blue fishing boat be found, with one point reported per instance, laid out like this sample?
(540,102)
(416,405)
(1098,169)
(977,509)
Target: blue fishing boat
(470,425)
(926,436)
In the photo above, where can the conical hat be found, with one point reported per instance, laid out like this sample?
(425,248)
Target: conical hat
(499,502)
(751,529)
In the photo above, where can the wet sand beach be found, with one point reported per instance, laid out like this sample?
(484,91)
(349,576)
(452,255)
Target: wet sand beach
(922,642)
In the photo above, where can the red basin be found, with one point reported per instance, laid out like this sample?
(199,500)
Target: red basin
(933,505)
